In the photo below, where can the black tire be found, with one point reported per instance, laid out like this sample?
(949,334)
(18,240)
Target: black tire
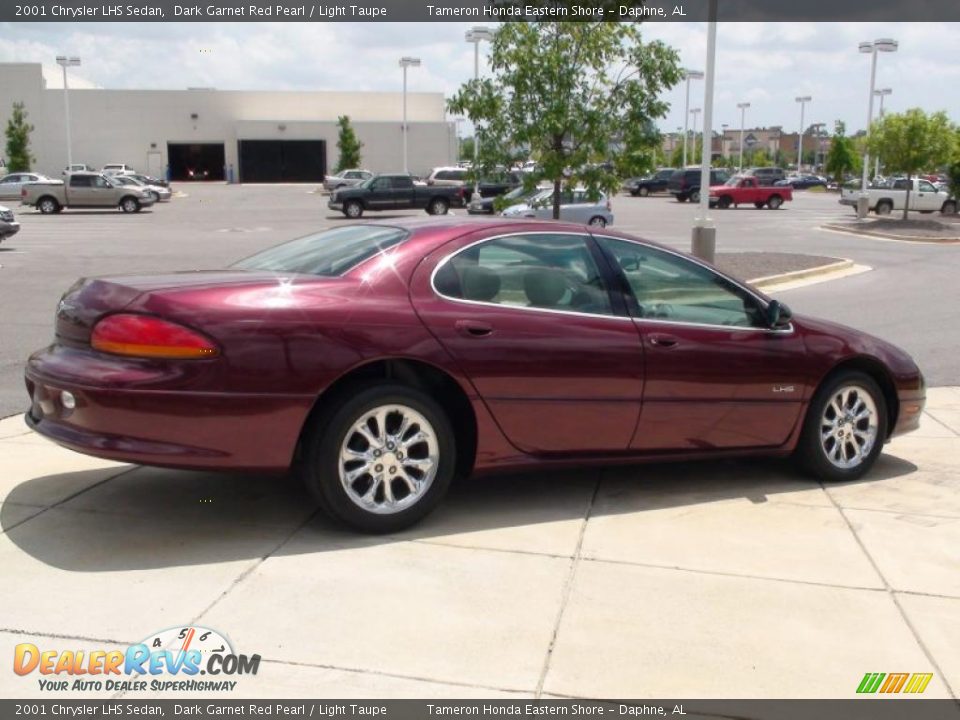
(320,465)
(130,205)
(438,206)
(774,202)
(643,192)
(810,450)
(949,207)
(695,197)
(759,205)
(725,202)
(48,205)
(884,207)
(634,192)
(155,195)
(598,221)
(681,198)
(353,209)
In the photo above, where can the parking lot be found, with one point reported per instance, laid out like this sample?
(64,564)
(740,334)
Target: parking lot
(724,579)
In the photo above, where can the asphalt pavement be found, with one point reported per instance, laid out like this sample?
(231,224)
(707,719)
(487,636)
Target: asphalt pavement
(909,298)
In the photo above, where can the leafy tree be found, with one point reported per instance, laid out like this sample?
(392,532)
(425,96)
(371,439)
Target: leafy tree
(348,144)
(466,149)
(676,157)
(911,142)
(758,157)
(579,96)
(842,157)
(18,132)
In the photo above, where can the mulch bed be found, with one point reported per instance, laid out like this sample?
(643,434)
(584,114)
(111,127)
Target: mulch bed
(753,265)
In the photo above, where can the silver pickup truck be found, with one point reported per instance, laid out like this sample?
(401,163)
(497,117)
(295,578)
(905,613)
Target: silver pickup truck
(84,189)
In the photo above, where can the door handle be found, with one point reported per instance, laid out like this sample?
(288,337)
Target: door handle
(473,328)
(663,341)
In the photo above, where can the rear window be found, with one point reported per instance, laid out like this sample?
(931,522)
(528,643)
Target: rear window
(329,253)
(81,181)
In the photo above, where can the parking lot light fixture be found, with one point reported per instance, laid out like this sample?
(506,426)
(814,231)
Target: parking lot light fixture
(64,62)
(803,103)
(743,120)
(406,62)
(871,48)
(477,35)
(688,75)
(881,93)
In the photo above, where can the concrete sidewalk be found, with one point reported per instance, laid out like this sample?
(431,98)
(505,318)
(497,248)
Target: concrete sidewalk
(724,579)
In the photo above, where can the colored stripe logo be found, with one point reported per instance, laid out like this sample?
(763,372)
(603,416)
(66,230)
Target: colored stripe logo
(913,683)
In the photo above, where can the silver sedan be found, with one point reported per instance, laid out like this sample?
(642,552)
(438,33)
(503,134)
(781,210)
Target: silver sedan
(159,193)
(575,206)
(10,185)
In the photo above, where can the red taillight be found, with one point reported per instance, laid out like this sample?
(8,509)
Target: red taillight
(148,336)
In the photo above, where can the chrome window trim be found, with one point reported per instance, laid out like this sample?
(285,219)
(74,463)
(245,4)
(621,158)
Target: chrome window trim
(585,235)
(696,261)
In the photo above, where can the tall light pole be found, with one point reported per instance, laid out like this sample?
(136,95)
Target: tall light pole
(803,104)
(689,75)
(696,113)
(703,237)
(881,93)
(743,119)
(406,62)
(64,62)
(871,48)
(477,35)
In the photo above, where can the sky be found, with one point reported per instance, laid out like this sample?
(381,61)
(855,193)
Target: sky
(765,64)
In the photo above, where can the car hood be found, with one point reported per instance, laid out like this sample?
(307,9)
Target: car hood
(4,208)
(518,209)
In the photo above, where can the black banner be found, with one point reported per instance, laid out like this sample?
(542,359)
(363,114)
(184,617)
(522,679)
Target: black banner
(475,10)
(862,709)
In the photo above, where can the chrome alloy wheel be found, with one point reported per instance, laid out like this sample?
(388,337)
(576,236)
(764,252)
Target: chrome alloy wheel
(848,427)
(388,459)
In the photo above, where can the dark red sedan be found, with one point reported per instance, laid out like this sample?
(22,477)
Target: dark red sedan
(381,360)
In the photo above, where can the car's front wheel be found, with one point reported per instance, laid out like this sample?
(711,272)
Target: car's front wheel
(845,427)
(353,209)
(438,206)
(381,458)
(130,205)
(644,191)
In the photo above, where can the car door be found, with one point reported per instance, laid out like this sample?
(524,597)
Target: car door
(10,186)
(927,198)
(380,195)
(529,319)
(715,376)
(402,188)
(80,190)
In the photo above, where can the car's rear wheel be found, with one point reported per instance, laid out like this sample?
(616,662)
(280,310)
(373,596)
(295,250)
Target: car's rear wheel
(845,427)
(949,208)
(48,205)
(695,196)
(155,195)
(130,205)
(438,206)
(598,221)
(884,207)
(643,191)
(353,209)
(382,459)
(774,202)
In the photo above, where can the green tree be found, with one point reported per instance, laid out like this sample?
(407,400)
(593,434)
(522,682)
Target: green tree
(348,144)
(676,157)
(575,95)
(910,142)
(842,157)
(466,149)
(18,132)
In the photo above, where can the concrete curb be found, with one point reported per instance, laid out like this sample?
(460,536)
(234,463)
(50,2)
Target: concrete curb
(890,236)
(818,271)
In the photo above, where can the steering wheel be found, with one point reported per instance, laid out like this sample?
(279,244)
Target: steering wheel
(659,310)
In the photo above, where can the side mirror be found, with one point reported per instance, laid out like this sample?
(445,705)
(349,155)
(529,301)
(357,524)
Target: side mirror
(778,314)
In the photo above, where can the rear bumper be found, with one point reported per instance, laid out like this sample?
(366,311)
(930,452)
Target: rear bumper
(170,428)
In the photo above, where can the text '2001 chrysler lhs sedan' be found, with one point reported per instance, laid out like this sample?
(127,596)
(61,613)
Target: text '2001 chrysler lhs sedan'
(382,360)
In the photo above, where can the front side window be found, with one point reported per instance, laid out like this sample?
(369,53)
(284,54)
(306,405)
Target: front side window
(330,253)
(671,288)
(926,186)
(544,271)
(382,183)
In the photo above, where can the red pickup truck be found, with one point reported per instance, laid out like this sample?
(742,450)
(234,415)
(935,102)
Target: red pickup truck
(744,189)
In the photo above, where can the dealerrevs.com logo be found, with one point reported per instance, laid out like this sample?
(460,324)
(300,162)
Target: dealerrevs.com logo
(176,659)
(910,683)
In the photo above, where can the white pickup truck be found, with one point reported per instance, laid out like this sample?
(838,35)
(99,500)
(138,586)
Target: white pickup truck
(884,199)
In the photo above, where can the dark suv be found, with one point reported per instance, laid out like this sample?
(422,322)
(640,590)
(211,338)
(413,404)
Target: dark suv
(650,183)
(766,176)
(685,184)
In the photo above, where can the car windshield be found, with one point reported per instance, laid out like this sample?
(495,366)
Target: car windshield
(329,253)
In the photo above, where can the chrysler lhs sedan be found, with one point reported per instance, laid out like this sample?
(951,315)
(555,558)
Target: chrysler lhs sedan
(381,360)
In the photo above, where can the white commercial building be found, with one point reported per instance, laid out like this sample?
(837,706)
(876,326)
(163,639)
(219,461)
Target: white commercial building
(249,136)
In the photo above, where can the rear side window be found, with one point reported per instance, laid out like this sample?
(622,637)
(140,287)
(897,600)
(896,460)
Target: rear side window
(81,181)
(552,272)
(329,254)
(401,182)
